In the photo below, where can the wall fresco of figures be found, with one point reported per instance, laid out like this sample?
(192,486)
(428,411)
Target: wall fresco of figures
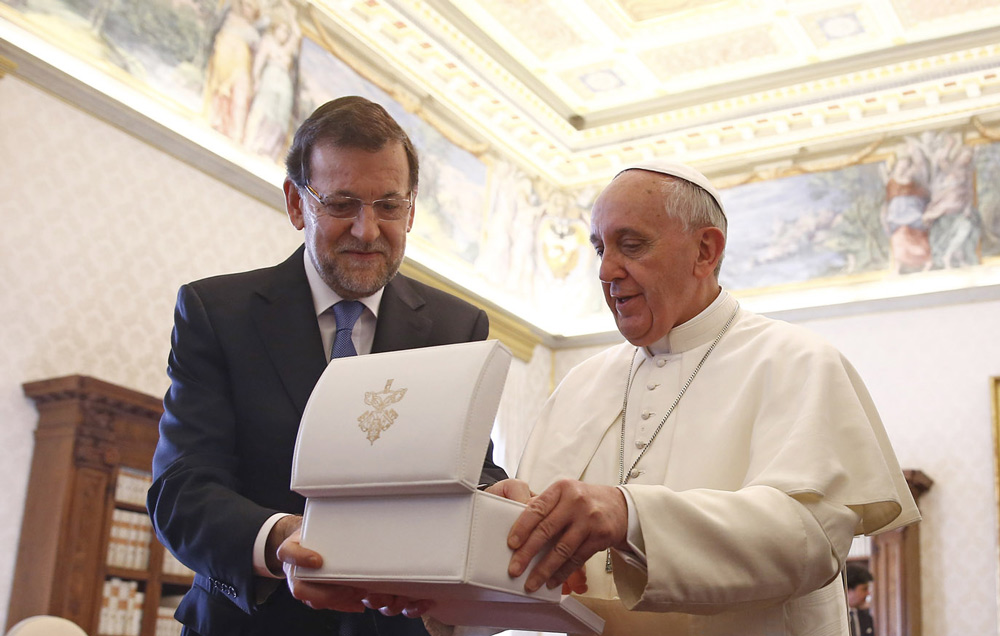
(933,204)
(244,69)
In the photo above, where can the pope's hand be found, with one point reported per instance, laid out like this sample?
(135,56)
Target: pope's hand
(576,582)
(577,519)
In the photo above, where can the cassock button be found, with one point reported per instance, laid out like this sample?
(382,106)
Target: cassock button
(652,385)
(640,444)
(645,415)
(661,363)
(635,472)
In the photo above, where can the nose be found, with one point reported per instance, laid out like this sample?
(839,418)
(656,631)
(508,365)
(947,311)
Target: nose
(365,225)
(610,269)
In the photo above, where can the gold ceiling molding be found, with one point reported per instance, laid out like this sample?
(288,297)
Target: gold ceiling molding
(453,69)
(826,165)
(509,329)
(6,66)
(407,99)
(991,133)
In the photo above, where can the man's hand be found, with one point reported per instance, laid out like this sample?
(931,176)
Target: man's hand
(577,519)
(513,489)
(316,595)
(343,598)
(390,605)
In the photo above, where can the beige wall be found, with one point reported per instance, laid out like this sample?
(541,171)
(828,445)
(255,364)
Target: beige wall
(928,371)
(99,230)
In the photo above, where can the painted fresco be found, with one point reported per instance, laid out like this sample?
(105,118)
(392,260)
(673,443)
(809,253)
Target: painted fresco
(987,165)
(537,244)
(250,77)
(805,227)
(931,205)
(160,44)
(244,69)
(451,202)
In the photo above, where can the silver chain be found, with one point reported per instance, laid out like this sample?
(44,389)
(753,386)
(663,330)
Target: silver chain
(624,476)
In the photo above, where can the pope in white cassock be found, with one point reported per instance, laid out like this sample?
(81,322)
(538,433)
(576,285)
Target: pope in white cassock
(711,472)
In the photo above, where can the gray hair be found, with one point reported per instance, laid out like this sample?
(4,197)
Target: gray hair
(694,207)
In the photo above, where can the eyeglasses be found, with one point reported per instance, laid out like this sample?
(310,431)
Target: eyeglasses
(346,208)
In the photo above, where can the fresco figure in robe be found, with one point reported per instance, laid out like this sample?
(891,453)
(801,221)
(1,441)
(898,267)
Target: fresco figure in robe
(906,199)
(951,215)
(229,76)
(275,69)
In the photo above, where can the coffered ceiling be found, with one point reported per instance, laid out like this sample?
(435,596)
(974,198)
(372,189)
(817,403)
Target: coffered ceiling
(574,88)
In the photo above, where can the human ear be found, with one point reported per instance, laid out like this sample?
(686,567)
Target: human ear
(293,204)
(413,211)
(711,245)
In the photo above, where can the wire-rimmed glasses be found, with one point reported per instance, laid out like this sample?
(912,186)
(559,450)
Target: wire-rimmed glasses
(346,208)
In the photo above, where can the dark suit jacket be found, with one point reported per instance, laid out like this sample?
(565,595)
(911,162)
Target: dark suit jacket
(246,353)
(865,625)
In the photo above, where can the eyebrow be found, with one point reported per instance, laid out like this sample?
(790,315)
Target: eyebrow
(618,233)
(343,192)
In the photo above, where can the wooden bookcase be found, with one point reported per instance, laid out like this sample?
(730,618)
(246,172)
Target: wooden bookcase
(89,431)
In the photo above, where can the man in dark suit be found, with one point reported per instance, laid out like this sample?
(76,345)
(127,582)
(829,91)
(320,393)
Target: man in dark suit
(247,350)
(859,582)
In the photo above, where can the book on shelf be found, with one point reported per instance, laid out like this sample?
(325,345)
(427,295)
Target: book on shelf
(174,567)
(121,608)
(131,486)
(129,539)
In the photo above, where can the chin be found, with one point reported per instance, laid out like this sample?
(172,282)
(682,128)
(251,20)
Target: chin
(643,339)
(637,340)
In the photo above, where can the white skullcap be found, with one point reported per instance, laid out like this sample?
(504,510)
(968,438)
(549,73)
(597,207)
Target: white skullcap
(681,171)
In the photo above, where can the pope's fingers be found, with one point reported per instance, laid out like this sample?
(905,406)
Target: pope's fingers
(577,520)
(568,554)
(575,583)
(561,577)
(536,527)
(536,510)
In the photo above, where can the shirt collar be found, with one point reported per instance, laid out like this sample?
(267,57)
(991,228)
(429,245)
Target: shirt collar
(324,297)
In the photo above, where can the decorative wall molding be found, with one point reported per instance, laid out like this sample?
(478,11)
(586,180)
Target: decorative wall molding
(6,66)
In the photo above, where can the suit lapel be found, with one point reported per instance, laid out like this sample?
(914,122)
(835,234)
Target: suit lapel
(401,323)
(286,320)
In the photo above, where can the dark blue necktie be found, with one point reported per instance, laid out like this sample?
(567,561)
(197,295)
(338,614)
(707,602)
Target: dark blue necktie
(347,313)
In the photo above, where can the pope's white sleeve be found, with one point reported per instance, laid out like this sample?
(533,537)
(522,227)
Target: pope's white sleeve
(709,551)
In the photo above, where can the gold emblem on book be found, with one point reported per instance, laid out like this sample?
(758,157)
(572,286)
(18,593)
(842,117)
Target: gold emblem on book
(374,423)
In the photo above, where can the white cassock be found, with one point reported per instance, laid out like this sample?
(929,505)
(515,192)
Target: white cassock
(748,498)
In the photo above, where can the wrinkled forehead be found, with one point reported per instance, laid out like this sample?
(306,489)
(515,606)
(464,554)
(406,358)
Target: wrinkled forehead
(633,204)
(677,171)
